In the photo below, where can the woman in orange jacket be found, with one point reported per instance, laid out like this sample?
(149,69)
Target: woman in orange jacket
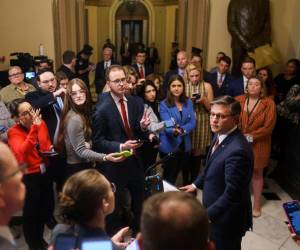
(257,121)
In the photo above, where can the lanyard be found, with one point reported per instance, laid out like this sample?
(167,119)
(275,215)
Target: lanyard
(250,112)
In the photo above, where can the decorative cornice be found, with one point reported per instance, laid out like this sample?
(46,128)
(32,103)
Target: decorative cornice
(164,2)
(105,3)
(101,3)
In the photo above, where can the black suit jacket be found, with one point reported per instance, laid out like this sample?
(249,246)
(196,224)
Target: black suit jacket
(70,74)
(225,183)
(108,127)
(236,87)
(109,133)
(100,75)
(44,101)
(223,90)
(148,69)
(206,76)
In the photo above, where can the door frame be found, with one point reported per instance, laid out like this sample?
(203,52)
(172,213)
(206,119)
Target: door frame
(151,21)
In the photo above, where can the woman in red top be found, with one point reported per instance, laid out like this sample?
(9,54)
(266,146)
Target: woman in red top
(27,139)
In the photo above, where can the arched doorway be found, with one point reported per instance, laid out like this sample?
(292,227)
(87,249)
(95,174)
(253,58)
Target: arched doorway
(132,21)
(123,21)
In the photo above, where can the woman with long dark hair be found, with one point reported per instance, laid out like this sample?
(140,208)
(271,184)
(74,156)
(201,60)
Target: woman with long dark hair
(285,80)
(74,137)
(157,79)
(177,108)
(266,76)
(148,92)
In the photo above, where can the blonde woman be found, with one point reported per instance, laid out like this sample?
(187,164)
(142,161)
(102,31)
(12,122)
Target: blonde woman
(201,94)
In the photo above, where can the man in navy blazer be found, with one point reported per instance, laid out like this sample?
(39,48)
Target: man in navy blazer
(117,128)
(182,62)
(226,177)
(237,87)
(220,79)
(101,68)
(142,68)
(49,99)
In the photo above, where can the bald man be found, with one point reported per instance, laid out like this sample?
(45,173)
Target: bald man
(101,68)
(12,194)
(17,87)
(182,222)
(182,62)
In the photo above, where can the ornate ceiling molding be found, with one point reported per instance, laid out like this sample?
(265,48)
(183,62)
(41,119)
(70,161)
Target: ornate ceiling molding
(106,3)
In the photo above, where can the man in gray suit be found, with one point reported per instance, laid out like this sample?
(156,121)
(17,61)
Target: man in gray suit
(12,194)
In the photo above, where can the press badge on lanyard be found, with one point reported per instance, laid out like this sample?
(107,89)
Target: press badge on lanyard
(43,168)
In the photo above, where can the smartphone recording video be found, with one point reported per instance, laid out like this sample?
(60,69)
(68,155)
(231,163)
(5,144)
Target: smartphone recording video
(292,210)
(65,242)
(96,244)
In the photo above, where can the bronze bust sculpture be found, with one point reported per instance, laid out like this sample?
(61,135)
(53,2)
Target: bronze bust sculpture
(249,25)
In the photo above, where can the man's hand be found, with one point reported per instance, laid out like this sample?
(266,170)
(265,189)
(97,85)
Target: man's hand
(115,157)
(119,238)
(189,188)
(59,92)
(130,144)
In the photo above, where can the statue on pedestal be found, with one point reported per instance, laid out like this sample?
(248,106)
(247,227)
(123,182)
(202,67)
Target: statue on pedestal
(249,25)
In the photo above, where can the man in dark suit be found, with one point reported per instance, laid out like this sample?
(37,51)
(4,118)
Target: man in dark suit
(220,79)
(68,66)
(12,195)
(48,98)
(83,65)
(140,66)
(237,87)
(226,177)
(101,68)
(116,127)
(182,62)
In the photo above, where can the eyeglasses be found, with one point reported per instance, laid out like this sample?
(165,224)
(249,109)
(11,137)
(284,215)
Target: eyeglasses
(15,74)
(113,187)
(119,81)
(48,81)
(21,168)
(218,116)
(79,92)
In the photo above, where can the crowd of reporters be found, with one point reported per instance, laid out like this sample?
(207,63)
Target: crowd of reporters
(48,125)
